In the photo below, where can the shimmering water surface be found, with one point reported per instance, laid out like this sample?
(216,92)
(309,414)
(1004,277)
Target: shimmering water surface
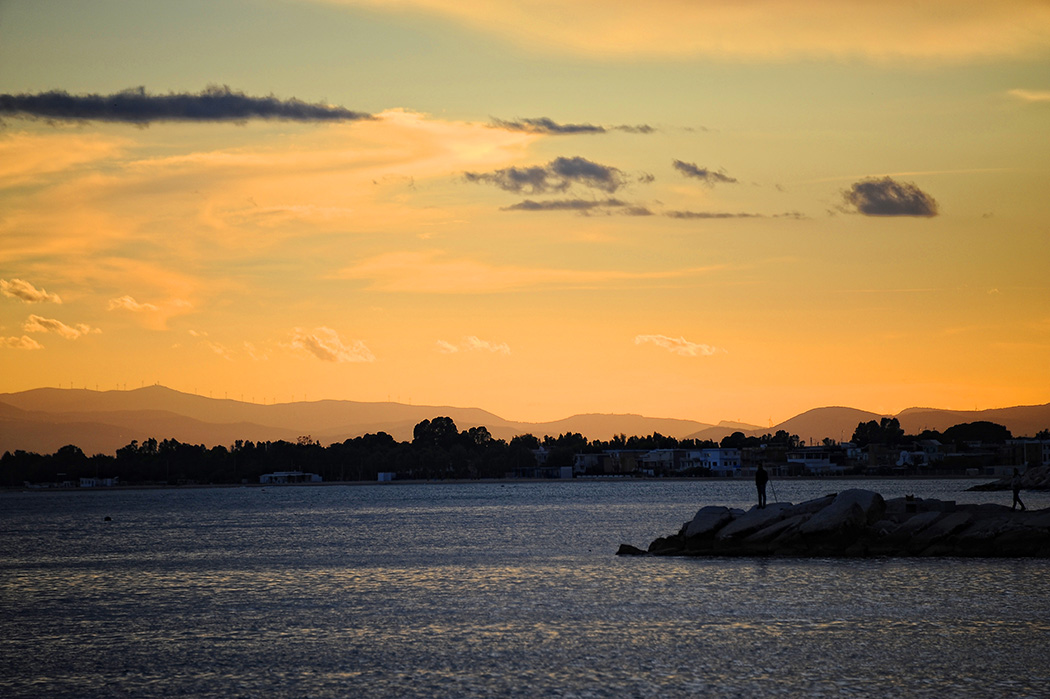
(488,589)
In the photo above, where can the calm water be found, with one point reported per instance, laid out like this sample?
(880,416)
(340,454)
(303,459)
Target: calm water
(487,590)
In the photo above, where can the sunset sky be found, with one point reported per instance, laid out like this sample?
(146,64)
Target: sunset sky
(700,209)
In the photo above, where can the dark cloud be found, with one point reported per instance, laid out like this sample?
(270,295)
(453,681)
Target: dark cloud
(136,106)
(565,205)
(548,126)
(724,214)
(583,206)
(556,176)
(709,177)
(709,214)
(887,197)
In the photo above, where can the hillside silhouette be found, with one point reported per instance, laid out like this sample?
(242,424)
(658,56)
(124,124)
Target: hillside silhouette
(45,419)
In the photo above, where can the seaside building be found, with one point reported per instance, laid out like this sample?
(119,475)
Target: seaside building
(816,460)
(721,461)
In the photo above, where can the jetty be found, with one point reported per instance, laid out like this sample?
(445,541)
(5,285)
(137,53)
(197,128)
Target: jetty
(859,523)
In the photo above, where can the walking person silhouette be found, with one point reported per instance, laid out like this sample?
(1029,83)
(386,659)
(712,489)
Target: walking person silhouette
(1016,485)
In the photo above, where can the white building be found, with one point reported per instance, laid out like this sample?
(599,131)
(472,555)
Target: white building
(721,461)
(815,460)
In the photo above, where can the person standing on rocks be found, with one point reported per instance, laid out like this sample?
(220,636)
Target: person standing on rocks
(761,478)
(1016,485)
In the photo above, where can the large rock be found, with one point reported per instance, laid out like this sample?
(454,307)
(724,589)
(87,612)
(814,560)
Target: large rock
(859,523)
(708,520)
(851,509)
(754,519)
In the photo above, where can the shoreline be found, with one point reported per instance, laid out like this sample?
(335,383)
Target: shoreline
(480,481)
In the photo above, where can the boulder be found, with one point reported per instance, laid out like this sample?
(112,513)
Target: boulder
(859,523)
(753,520)
(628,550)
(851,509)
(779,533)
(708,520)
(935,534)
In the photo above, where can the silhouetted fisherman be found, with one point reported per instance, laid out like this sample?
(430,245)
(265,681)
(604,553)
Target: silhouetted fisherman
(1016,485)
(761,478)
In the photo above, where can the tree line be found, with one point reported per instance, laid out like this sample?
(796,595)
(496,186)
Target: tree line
(438,450)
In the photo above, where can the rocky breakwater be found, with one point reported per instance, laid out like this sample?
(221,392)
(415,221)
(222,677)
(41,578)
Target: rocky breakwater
(1036,478)
(859,523)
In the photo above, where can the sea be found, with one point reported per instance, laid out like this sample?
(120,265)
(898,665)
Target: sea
(489,589)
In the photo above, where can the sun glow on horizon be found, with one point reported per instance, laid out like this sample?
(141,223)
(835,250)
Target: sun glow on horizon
(691,210)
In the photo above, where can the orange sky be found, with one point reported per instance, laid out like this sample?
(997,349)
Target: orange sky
(703,210)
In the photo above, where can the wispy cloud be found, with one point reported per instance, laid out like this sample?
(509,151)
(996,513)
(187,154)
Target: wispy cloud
(21,289)
(708,177)
(888,197)
(473,343)
(936,30)
(434,272)
(556,176)
(325,344)
(214,347)
(38,324)
(725,214)
(547,126)
(582,206)
(128,303)
(678,345)
(137,106)
(1030,95)
(22,343)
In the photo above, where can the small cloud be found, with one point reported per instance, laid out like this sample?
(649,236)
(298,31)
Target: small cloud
(21,289)
(136,106)
(887,197)
(556,176)
(214,347)
(325,344)
(582,205)
(678,345)
(37,324)
(255,353)
(22,343)
(472,343)
(726,214)
(1030,95)
(708,177)
(547,126)
(128,303)
(709,214)
(218,349)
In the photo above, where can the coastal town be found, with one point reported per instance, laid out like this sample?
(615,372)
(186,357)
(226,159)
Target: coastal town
(440,451)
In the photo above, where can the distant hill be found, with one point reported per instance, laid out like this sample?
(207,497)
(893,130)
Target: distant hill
(46,419)
(43,420)
(1022,421)
(605,427)
(838,423)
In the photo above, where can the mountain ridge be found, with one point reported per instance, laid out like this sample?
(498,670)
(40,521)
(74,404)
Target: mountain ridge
(43,420)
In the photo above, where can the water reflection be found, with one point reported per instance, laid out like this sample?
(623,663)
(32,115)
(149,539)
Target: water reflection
(481,591)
